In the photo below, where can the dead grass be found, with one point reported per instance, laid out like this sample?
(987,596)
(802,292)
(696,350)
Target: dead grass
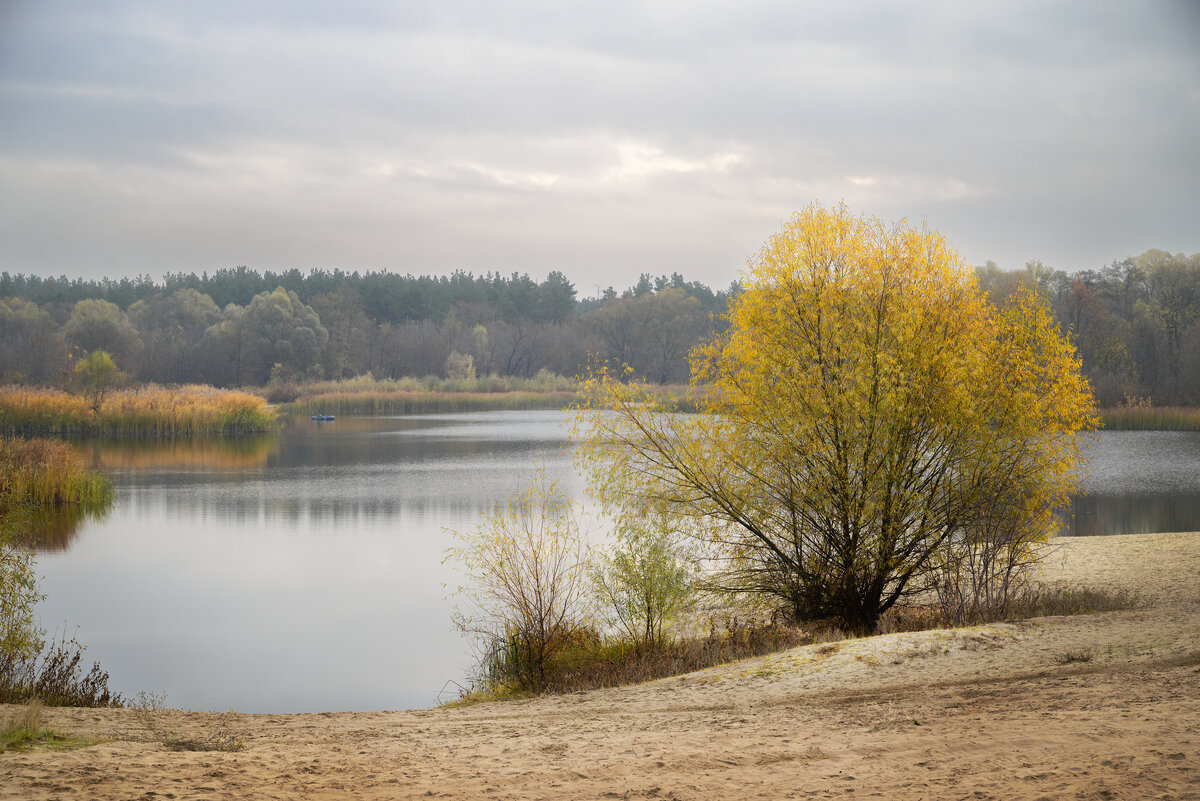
(1058,600)
(166,727)
(1079,655)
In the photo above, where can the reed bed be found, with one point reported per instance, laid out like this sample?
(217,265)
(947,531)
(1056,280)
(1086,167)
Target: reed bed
(147,412)
(544,381)
(1151,418)
(42,472)
(382,403)
(366,395)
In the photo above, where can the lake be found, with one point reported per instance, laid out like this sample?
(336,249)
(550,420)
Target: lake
(303,572)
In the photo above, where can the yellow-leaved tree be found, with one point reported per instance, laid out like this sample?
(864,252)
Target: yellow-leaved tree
(867,419)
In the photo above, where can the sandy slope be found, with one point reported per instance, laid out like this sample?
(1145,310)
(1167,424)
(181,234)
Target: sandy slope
(989,712)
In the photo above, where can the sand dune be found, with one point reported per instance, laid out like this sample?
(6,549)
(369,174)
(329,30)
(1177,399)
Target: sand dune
(999,711)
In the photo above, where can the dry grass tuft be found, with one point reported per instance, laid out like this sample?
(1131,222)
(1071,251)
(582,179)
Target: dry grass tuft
(1080,655)
(160,725)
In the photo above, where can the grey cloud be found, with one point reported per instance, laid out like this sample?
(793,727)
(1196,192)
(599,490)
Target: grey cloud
(599,139)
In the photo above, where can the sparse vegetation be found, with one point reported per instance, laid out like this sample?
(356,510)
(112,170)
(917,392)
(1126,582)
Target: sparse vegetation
(1041,601)
(592,660)
(646,582)
(1078,655)
(539,631)
(167,727)
(22,727)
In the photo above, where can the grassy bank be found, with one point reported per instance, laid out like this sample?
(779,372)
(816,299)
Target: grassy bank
(147,412)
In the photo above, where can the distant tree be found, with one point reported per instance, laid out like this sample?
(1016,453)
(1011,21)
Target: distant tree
(171,329)
(676,324)
(222,349)
(555,299)
(30,352)
(351,333)
(460,366)
(651,333)
(416,349)
(96,376)
(99,325)
(278,328)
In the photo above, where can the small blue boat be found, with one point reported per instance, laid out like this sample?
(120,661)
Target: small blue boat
(323,418)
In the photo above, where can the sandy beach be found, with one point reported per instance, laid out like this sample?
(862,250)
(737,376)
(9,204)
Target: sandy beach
(1102,706)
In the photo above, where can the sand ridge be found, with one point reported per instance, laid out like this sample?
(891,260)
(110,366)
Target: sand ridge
(998,711)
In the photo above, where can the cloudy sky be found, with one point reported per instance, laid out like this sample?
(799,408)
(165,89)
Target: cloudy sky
(602,139)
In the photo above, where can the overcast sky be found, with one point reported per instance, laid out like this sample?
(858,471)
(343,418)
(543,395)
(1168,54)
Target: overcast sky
(601,139)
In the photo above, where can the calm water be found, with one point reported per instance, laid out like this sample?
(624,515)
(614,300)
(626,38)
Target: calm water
(299,573)
(303,572)
(1140,482)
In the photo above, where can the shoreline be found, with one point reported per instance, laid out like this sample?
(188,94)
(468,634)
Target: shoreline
(1091,706)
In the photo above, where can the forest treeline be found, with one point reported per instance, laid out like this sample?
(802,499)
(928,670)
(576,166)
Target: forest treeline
(1136,324)
(239,327)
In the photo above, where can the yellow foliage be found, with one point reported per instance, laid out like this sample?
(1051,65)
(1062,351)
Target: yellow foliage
(865,404)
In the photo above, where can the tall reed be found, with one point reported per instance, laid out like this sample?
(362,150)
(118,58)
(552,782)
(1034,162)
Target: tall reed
(544,382)
(149,411)
(366,395)
(375,403)
(42,472)
(1151,418)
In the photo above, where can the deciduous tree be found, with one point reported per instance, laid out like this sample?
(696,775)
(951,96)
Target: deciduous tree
(857,417)
(645,582)
(524,572)
(96,375)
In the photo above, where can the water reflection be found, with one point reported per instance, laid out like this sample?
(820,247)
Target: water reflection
(1139,482)
(53,528)
(181,453)
(304,574)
